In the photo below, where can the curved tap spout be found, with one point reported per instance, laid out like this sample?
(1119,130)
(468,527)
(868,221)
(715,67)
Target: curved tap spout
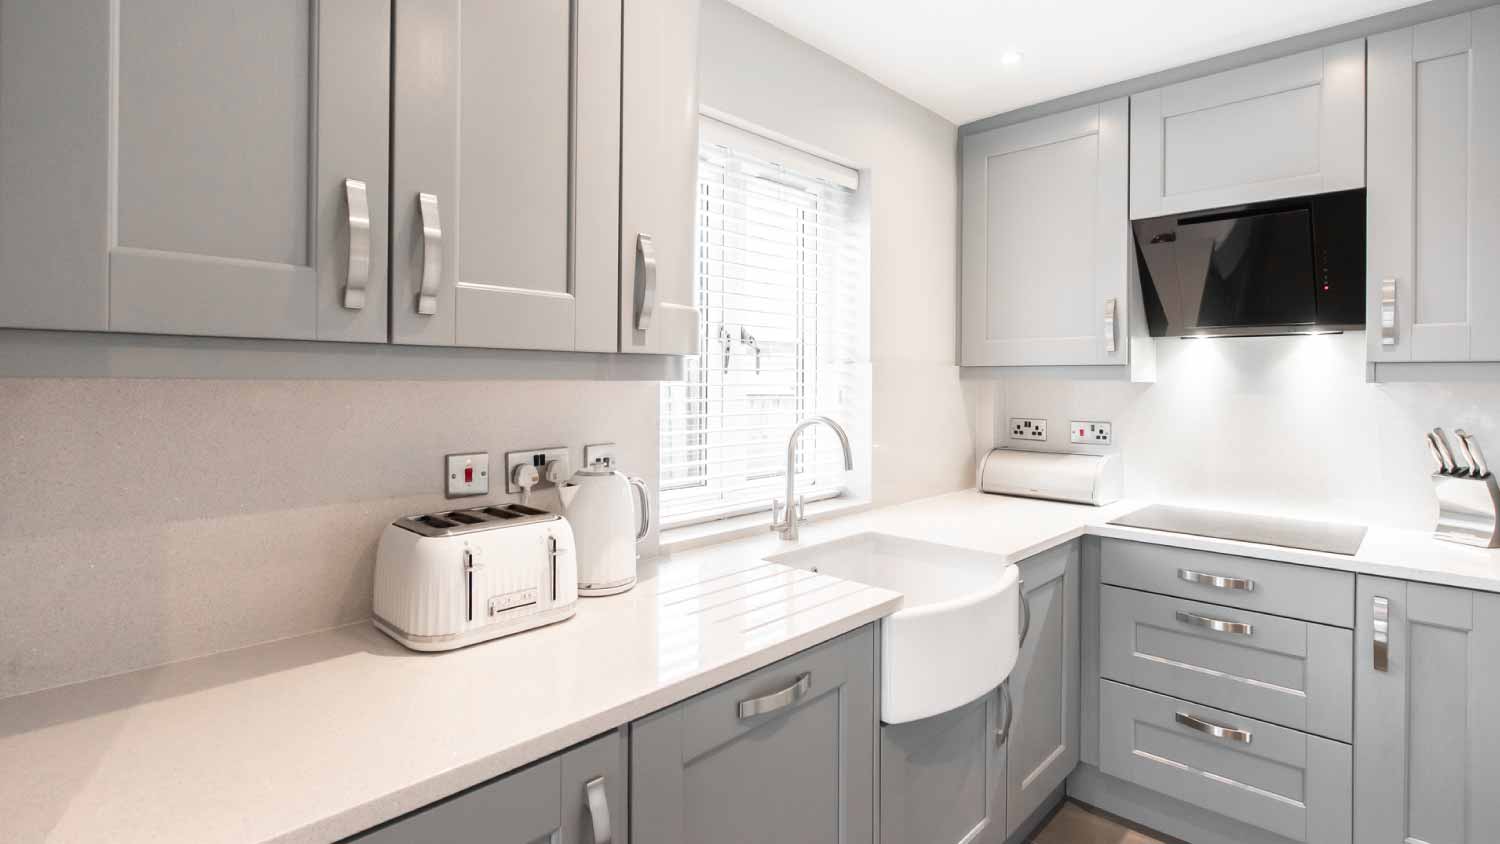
(787,527)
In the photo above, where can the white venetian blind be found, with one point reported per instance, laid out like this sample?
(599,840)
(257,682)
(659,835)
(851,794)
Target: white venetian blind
(779,283)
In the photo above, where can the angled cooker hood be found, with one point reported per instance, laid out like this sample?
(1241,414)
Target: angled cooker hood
(1287,266)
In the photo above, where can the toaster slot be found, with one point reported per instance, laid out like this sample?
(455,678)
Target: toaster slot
(462,517)
(500,513)
(436,522)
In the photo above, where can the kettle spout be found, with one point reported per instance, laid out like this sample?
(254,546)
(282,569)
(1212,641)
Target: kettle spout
(566,493)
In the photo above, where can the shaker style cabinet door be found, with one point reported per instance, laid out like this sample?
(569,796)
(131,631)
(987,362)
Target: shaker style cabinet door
(491,166)
(1043,745)
(1433,226)
(1426,738)
(1286,127)
(658,178)
(942,779)
(786,754)
(195,168)
(1046,241)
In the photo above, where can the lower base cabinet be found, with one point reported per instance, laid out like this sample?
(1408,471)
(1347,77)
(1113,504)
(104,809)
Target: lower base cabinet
(785,754)
(1427,714)
(575,797)
(942,779)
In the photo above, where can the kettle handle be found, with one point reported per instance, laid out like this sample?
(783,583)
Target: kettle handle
(645,493)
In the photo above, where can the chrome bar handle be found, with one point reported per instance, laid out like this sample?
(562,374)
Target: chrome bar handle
(777,700)
(1025,613)
(1215,624)
(1007,706)
(432,254)
(357,198)
(1382,628)
(1109,326)
(1388,312)
(1210,728)
(598,810)
(1218,582)
(645,492)
(645,281)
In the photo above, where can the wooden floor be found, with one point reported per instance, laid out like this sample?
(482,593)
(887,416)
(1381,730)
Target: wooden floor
(1075,824)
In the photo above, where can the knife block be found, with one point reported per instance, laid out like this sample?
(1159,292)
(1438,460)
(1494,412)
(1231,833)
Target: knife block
(1468,509)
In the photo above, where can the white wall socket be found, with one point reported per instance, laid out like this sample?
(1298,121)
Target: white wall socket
(1028,429)
(538,457)
(1090,433)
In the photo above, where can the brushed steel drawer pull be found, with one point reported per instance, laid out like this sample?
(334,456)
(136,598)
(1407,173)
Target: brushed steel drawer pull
(1215,624)
(1025,613)
(1382,627)
(1109,326)
(1007,707)
(356,196)
(645,281)
(1388,328)
(777,700)
(1243,584)
(1212,729)
(432,254)
(598,810)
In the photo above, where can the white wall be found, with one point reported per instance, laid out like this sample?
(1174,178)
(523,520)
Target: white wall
(1269,424)
(148,521)
(923,435)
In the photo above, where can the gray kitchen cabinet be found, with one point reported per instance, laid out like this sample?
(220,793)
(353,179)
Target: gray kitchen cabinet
(558,800)
(786,753)
(490,164)
(1286,127)
(1044,735)
(1046,257)
(195,168)
(942,779)
(1426,737)
(1433,233)
(658,177)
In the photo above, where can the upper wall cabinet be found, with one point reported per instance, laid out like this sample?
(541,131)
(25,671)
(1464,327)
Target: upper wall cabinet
(659,177)
(1433,226)
(195,168)
(1280,128)
(1046,241)
(490,166)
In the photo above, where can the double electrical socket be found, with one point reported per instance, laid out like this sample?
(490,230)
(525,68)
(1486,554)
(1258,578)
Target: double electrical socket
(1090,433)
(1028,429)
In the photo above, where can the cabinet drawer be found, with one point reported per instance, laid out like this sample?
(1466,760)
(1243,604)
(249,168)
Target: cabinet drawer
(1314,594)
(1283,670)
(518,808)
(1288,782)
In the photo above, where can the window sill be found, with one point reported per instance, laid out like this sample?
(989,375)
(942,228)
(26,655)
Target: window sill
(726,530)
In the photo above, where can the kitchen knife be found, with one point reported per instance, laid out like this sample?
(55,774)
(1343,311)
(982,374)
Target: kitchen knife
(1463,448)
(1437,456)
(1476,457)
(1449,464)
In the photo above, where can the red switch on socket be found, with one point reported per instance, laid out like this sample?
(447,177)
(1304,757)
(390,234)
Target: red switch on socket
(468,474)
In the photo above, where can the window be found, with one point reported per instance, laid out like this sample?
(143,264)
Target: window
(781,291)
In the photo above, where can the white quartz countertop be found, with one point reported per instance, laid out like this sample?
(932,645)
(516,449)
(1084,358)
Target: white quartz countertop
(321,736)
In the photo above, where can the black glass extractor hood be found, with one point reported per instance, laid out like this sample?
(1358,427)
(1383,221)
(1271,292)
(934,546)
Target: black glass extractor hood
(1286,266)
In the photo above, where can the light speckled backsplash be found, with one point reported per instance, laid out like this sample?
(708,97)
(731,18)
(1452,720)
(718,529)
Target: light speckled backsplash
(149,521)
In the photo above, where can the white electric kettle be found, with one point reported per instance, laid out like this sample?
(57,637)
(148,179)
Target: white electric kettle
(599,505)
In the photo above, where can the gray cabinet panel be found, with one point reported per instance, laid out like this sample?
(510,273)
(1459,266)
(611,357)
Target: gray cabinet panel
(217,218)
(1290,672)
(543,802)
(659,174)
(804,772)
(1046,240)
(1044,685)
(519,808)
(1303,592)
(942,779)
(1424,732)
(483,123)
(1434,118)
(1288,782)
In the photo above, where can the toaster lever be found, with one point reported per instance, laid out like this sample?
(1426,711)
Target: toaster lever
(470,566)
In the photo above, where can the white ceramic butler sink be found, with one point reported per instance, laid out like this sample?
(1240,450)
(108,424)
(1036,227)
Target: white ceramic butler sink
(956,634)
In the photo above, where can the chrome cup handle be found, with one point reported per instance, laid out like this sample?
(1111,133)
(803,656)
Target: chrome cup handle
(645,495)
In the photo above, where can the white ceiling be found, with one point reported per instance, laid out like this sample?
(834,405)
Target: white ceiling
(945,54)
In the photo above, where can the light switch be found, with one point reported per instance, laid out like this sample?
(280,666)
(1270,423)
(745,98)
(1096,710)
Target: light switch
(468,474)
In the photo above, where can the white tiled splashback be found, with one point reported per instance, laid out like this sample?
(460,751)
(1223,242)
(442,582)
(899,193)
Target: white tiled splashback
(1273,424)
(147,521)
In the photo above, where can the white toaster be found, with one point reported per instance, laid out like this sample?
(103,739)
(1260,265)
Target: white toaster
(450,579)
